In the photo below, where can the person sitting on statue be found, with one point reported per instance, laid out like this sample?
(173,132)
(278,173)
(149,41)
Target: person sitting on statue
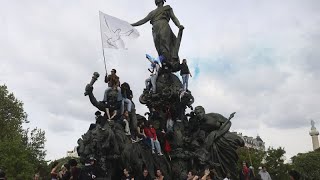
(125,119)
(126,97)
(154,75)
(101,120)
(221,143)
(113,84)
(112,108)
(185,73)
(150,132)
(141,135)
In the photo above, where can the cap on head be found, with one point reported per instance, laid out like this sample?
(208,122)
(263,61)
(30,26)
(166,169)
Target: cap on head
(113,70)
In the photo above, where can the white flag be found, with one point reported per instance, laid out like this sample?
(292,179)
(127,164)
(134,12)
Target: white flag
(114,31)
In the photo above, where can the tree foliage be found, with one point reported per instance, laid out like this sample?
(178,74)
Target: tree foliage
(275,163)
(252,156)
(21,152)
(273,159)
(308,164)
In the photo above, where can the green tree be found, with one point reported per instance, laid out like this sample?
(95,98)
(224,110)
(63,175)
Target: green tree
(275,163)
(308,164)
(21,153)
(252,156)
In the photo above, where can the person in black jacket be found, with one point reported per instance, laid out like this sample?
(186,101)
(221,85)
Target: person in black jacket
(126,97)
(90,170)
(145,175)
(185,73)
(294,175)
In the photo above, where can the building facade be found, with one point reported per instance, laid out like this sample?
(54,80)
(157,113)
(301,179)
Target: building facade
(73,153)
(251,142)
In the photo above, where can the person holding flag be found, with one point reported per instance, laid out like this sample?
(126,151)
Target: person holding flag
(113,84)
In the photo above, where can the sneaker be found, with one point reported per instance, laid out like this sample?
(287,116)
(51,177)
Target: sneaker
(160,154)
(153,151)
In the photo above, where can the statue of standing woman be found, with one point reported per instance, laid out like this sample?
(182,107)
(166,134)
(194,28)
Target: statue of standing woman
(167,44)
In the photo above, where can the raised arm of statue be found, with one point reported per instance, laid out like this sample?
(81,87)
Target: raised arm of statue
(101,106)
(224,129)
(175,20)
(142,21)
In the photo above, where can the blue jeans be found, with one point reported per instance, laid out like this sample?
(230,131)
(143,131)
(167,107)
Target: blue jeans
(153,80)
(155,143)
(185,78)
(129,104)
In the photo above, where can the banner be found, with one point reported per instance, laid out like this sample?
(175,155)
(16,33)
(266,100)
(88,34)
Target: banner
(114,31)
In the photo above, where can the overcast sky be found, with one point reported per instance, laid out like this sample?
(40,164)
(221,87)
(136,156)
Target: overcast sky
(259,58)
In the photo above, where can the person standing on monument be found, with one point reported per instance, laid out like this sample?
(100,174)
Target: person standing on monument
(163,37)
(185,73)
(150,132)
(113,84)
(153,76)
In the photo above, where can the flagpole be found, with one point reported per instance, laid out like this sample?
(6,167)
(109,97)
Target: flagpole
(104,58)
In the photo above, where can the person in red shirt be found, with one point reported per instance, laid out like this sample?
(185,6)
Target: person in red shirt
(150,132)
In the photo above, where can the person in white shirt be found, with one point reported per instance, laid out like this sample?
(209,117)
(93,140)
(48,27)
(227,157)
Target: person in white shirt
(154,75)
(264,174)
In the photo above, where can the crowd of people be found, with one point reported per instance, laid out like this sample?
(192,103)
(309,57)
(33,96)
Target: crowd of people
(247,173)
(71,171)
(119,106)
